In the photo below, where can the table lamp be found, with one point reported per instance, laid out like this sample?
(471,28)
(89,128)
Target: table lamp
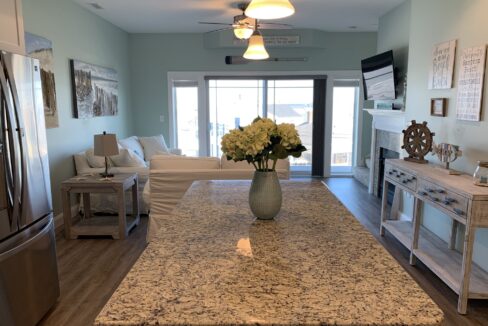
(106,145)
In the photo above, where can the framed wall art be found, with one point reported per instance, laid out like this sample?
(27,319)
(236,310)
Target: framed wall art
(42,49)
(438,107)
(95,90)
(470,84)
(442,66)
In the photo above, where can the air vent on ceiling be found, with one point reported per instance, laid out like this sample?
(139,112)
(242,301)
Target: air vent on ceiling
(95,5)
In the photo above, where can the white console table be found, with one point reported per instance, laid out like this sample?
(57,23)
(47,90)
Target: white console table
(455,196)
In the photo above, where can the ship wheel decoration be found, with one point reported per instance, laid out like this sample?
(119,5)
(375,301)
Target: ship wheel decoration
(417,141)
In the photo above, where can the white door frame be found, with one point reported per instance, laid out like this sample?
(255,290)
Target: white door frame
(199,77)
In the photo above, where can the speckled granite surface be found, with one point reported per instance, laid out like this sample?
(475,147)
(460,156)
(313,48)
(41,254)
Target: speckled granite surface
(212,263)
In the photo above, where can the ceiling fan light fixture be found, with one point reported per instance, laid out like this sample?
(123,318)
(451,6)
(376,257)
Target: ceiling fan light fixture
(256,49)
(269,9)
(243,32)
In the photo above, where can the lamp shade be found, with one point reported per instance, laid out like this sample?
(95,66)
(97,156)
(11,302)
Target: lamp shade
(243,32)
(269,9)
(105,145)
(256,49)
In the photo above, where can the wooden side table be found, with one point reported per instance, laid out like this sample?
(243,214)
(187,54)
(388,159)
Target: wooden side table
(117,227)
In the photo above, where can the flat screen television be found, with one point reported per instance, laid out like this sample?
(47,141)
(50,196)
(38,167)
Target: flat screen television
(379,77)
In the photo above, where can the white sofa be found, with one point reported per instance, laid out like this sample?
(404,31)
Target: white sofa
(107,202)
(171,176)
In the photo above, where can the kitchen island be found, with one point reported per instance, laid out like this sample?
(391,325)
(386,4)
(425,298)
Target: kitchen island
(211,262)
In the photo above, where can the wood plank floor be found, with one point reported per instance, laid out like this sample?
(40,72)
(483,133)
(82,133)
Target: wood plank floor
(91,269)
(366,208)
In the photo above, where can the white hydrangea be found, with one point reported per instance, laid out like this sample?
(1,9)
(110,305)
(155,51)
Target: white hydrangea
(289,135)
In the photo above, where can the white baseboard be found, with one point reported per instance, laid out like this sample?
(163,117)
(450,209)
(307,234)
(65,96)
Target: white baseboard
(59,219)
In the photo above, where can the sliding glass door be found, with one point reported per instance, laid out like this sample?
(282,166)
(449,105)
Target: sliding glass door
(291,101)
(232,103)
(237,102)
(324,110)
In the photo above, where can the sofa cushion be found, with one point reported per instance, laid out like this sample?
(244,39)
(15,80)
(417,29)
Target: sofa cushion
(154,145)
(127,158)
(175,162)
(95,161)
(81,163)
(133,144)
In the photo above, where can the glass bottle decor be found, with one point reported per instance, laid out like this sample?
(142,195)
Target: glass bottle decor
(480,177)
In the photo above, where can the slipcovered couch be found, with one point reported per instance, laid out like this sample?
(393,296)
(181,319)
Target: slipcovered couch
(134,157)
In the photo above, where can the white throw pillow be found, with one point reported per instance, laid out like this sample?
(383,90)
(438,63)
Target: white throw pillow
(127,158)
(134,145)
(153,146)
(95,161)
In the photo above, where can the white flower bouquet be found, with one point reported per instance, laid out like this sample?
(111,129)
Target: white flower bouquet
(261,142)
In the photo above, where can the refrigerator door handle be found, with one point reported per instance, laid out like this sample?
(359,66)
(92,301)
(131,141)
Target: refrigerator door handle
(20,136)
(12,146)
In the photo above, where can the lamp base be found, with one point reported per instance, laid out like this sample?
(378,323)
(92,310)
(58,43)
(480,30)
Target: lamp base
(107,175)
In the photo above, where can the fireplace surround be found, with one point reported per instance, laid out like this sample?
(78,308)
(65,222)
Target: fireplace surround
(386,136)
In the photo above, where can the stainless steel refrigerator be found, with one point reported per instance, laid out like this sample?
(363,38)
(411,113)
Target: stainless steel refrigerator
(29,284)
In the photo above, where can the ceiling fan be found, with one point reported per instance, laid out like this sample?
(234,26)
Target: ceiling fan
(244,26)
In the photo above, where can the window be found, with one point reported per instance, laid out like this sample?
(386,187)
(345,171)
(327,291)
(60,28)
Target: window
(185,94)
(344,108)
(324,108)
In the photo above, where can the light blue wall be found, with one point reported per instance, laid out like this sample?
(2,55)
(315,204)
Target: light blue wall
(78,34)
(153,55)
(432,22)
(393,34)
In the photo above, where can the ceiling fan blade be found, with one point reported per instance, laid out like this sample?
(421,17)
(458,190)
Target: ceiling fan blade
(276,24)
(266,26)
(211,23)
(220,29)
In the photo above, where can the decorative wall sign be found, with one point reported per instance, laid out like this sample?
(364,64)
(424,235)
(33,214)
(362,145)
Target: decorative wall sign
(95,90)
(438,107)
(41,48)
(470,83)
(442,68)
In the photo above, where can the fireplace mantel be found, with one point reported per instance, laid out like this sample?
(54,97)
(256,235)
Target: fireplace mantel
(387,120)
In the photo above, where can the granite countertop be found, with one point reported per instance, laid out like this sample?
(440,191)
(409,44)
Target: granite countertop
(212,263)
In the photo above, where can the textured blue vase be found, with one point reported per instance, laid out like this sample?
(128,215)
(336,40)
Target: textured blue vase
(265,195)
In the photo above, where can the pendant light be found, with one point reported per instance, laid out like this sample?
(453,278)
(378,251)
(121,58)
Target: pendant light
(256,49)
(243,32)
(269,9)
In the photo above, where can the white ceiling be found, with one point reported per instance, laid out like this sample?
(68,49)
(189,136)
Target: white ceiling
(182,16)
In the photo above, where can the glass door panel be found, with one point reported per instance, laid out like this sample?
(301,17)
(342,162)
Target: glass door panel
(291,101)
(186,111)
(345,101)
(232,103)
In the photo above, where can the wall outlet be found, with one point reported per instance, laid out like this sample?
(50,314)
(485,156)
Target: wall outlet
(161,118)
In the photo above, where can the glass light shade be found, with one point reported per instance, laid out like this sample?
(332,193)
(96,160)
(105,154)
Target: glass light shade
(256,49)
(269,9)
(243,32)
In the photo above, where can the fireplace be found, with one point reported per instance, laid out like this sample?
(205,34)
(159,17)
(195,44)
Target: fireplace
(386,143)
(384,155)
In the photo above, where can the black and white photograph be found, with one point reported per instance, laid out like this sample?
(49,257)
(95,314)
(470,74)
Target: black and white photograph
(42,49)
(95,90)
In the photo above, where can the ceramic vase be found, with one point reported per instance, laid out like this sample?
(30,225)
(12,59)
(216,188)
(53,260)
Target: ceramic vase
(265,195)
